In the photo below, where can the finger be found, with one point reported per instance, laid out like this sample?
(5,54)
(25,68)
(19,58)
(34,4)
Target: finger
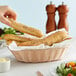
(8,16)
(5,20)
(11,14)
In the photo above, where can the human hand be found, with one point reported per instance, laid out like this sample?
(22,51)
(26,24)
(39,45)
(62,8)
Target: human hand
(5,13)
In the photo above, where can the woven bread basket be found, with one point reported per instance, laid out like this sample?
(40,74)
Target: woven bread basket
(40,55)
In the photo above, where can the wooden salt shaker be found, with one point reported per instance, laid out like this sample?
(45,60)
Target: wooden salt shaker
(63,23)
(51,24)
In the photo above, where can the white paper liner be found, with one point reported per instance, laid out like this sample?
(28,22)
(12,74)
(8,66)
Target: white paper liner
(14,47)
(50,33)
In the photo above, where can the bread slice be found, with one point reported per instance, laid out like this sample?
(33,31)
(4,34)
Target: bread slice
(56,37)
(16,38)
(25,29)
(8,42)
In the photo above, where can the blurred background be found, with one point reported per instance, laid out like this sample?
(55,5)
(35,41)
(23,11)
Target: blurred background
(33,13)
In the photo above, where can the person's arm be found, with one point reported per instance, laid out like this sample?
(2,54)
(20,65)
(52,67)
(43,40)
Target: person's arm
(5,12)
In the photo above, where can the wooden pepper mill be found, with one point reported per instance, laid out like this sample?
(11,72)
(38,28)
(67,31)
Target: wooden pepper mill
(51,24)
(63,23)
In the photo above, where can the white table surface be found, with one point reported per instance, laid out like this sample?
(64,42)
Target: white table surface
(29,69)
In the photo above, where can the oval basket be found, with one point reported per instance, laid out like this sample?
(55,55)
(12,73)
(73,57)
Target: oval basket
(39,55)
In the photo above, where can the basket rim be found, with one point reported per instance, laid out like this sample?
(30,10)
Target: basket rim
(38,49)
